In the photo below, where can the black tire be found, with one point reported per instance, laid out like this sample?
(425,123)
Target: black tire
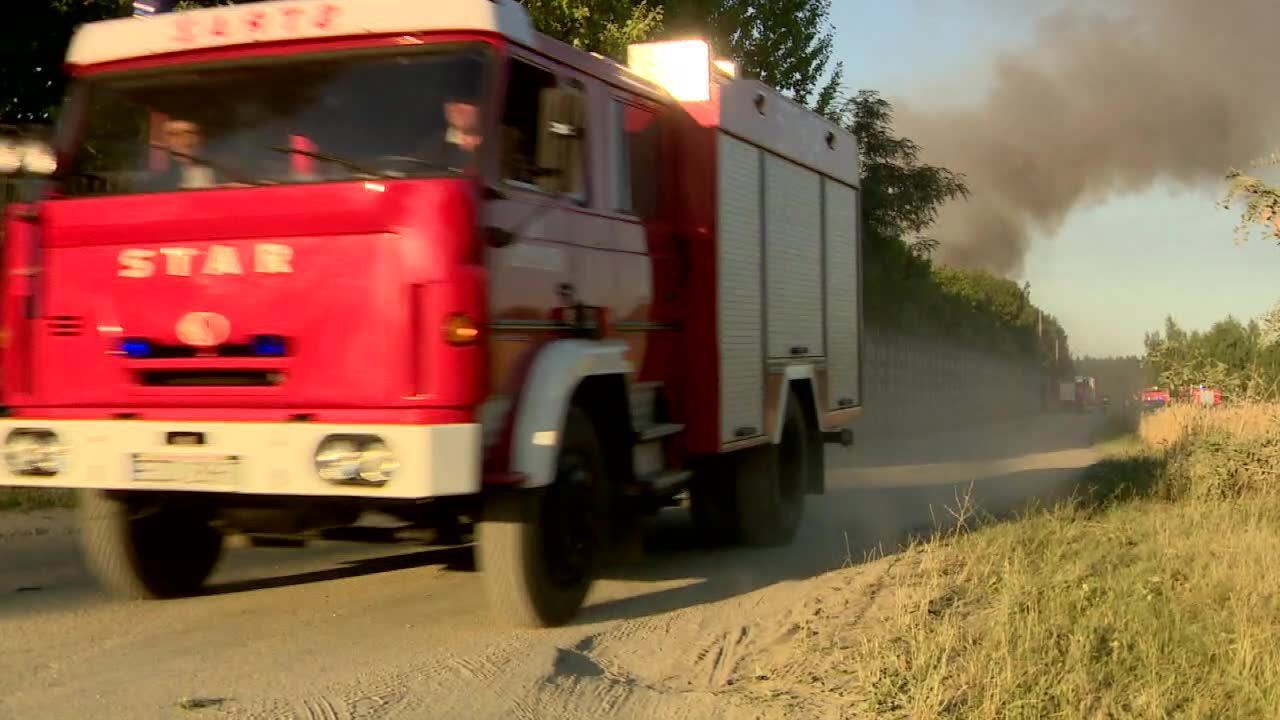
(539,550)
(712,502)
(771,484)
(152,553)
(815,456)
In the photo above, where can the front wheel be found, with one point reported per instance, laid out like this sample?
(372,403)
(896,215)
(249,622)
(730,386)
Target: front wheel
(539,549)
(146,552)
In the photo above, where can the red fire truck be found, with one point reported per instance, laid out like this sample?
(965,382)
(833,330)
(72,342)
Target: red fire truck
(1200,395)
(313,259)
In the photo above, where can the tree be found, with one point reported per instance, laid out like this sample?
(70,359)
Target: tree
(33,44)
(900,200)
(901,196)
(787,44)
(1231,356)
(1261,200)
(1261,207)
(603,26)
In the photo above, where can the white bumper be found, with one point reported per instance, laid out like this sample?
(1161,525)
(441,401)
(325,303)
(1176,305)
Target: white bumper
(270,458)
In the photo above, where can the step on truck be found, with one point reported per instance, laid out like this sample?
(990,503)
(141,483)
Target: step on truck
(308,262)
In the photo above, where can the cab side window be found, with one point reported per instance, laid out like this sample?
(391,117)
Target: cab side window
(636,145)
(519,141)
(534,153)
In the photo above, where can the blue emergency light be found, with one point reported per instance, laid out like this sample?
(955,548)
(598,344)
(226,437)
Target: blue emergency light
(269,346)
(136,348)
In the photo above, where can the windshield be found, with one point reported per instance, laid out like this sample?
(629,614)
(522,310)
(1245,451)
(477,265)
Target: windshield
(295,121)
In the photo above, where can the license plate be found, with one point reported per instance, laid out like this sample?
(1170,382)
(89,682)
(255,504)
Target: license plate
(197,469)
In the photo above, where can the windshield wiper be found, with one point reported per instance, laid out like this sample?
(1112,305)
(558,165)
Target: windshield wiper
(348,164)
(233,175)
(418,161)
(357,167)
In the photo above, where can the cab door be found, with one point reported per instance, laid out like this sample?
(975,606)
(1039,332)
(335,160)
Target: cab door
(531,258)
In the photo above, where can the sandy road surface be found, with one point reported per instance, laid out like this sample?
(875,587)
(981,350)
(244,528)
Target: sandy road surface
(347,631)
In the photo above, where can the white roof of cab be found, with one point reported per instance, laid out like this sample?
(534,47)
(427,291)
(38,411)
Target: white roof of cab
(277,20)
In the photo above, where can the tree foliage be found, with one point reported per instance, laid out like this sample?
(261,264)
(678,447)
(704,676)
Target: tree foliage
(1261,200)
(33,44)
(1232,356)
(1246,356)
(901,195)
(603,26)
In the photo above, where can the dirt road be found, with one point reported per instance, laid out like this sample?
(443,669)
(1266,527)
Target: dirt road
(346,631)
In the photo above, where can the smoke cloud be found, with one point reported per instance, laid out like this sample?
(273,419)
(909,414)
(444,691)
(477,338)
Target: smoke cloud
(1108,99)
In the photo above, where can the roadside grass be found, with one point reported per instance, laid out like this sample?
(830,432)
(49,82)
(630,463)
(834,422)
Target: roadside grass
(1155,593)
(29,499)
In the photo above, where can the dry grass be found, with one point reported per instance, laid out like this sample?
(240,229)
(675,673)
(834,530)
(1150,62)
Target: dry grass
(1154,595)
(28,499)
(1170,426)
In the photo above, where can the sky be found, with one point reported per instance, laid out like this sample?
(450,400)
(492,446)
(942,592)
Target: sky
(1113,270)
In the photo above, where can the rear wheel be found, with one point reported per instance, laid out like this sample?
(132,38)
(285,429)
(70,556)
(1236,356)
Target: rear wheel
(815,456)
(771,483)
(539,549)
(712,501)
(158,551)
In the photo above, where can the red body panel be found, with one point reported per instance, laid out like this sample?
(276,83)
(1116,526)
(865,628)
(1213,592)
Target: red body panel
(375,268)
(698,202)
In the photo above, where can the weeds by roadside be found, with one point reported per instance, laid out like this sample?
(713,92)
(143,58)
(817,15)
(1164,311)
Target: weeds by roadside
(28,499)
(1152,594)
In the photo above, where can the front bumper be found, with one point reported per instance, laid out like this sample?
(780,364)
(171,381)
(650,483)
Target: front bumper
(270,458)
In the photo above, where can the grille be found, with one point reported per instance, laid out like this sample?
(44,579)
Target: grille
(65,325)
(211,378)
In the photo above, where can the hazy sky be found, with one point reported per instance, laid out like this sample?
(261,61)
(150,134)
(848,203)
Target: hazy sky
(1114,270)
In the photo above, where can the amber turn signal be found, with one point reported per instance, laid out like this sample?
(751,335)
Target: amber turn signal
(460,330)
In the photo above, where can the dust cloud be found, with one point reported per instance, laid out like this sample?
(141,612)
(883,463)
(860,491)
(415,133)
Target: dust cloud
(1106,99)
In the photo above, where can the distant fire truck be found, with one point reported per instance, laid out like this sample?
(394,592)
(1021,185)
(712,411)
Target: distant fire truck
(1154,398)
(309,259)
(1079,393)
(1200,395)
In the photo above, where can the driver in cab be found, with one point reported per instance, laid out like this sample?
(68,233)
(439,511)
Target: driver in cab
(462,133)
(184,142)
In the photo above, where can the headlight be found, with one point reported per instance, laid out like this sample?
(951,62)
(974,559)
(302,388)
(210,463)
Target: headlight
(377,464)
(34,453)
(355,460)
(338,460)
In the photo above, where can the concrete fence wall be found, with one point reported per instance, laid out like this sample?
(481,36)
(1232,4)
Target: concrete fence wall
(919,384)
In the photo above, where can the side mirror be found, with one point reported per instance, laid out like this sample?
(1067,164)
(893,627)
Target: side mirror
(561,121)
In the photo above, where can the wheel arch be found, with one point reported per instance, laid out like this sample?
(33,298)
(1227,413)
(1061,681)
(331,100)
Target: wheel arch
(589,373)
(800,381)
